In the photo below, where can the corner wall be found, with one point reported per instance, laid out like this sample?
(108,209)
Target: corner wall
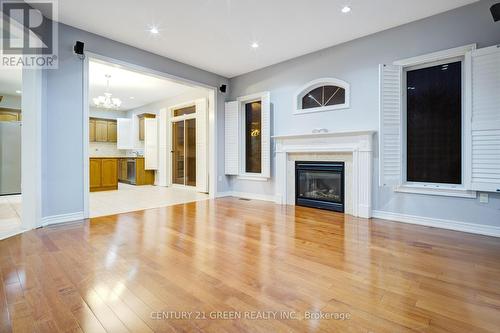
(357,63)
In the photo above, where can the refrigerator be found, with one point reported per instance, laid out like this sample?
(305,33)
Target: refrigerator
(10,157)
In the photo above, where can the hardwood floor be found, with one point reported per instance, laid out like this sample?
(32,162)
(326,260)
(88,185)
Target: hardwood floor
(229,257)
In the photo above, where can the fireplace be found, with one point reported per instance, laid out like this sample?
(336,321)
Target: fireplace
(320,185)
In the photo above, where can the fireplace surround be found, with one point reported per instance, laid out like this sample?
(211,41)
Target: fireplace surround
(356,147)
(320,185)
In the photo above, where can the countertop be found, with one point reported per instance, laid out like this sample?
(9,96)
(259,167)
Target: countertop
(126,157)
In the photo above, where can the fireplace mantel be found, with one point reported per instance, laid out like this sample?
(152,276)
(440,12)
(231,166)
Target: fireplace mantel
(357,143)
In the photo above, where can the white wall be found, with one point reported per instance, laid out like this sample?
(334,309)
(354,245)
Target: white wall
(357,63)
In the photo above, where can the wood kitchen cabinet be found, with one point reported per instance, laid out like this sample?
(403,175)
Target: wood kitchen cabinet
(102,130)
(141,123)
(10,114)
(103,174)
(143,176)
(92,130)
(111,131)
(122,170)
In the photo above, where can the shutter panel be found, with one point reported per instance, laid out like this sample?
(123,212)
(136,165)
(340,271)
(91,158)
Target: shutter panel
(390,138)
(150,144)
(124,133)
(485,119)
(231,138)
(201,145)
(266,134)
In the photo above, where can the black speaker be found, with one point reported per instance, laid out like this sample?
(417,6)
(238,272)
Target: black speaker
(78,48)
(223,88)
(495,12)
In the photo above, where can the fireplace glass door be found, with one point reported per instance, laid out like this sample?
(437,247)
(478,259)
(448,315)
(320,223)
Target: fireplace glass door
(320,185)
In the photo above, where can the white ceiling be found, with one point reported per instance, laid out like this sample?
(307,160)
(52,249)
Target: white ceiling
(125,83)
(216,34)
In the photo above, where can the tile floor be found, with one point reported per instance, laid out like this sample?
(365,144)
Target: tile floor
(10,214)
(129,198)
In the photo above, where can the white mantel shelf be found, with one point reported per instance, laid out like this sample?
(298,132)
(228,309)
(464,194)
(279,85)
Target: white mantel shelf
(323,134)
(357,143)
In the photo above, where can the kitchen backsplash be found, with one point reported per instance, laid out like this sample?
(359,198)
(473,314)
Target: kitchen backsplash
(105,149)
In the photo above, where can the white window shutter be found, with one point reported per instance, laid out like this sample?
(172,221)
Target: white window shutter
(150,144)
(390,138)
(201,145)
(485,119)
(266,134)
(231,138)
(124,133)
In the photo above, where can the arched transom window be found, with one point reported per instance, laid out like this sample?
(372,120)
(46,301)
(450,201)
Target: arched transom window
(322,95)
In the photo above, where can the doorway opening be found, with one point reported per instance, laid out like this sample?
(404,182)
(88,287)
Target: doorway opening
(147,139)
(10,150)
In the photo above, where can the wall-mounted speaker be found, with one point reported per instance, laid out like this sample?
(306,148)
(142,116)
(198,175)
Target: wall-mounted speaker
(223,88)
(78,48)
(495,12)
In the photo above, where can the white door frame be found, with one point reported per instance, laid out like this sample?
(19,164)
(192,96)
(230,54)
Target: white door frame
(212,120)
(171,121)
(31,148)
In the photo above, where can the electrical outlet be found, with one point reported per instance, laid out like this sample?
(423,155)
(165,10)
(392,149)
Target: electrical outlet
(483,197)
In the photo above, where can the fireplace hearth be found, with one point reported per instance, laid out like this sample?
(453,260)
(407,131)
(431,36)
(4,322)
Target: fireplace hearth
(320,185)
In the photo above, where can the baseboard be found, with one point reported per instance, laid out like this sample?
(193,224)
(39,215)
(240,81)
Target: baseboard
(481,229)
(63,218)
(246,195)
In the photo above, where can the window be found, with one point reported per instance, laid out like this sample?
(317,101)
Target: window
(253,142)
(322,95)
(434,123)
(247,136)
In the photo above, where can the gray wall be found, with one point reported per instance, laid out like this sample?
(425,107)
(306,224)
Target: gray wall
(357,63)
(62,150)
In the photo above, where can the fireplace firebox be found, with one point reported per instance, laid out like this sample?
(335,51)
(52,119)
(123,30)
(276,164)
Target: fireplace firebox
(320,185)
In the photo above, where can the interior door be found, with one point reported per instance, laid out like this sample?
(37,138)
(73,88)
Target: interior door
(190,157)
(178,152)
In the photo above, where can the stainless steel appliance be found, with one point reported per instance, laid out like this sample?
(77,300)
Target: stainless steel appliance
(131,171)
(10,157)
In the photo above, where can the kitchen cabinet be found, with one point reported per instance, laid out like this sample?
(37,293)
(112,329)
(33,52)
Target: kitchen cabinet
(143,176)
(111,131)
(10,114)
(92,130)
(141,123)
(102,130)
(132,171)
(103,174)
(122,170)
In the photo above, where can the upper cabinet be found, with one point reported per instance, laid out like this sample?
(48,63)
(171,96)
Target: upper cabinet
(141,124)
(102,130)
(10,114)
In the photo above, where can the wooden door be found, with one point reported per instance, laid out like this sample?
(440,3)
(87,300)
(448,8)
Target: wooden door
(101,130)
(95,173)
(92,130)
(109,174)
(111,131)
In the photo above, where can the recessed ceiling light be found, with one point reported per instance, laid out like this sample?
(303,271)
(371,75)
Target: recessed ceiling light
(255,45)
(346,9)
(131,97)
(18,91)
(154,30)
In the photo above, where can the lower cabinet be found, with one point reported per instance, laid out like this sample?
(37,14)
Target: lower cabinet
(103,174)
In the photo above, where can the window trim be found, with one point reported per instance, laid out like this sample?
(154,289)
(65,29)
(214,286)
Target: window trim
(243,175)
(429,60)
(300,93)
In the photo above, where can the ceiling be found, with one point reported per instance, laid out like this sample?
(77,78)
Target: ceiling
(216,35)
(125,83)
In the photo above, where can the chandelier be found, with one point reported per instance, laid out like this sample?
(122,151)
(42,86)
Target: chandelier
(106,101)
